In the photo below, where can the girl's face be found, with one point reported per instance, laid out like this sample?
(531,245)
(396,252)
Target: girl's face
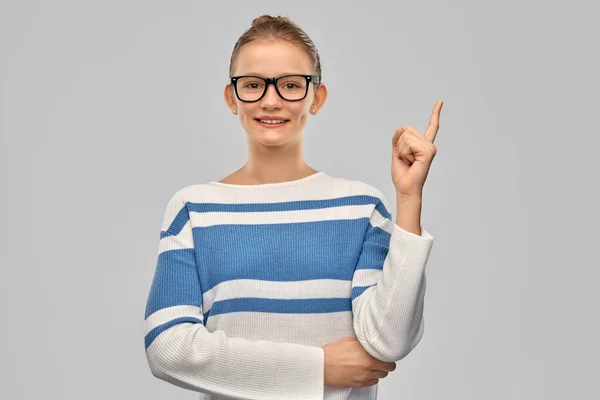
(271,59)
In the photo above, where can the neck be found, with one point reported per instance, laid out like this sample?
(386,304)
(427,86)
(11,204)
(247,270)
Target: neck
(273,164)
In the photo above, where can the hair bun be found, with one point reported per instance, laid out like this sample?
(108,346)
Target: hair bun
(266,18)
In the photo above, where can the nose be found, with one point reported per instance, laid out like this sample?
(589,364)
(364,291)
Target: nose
(271,99)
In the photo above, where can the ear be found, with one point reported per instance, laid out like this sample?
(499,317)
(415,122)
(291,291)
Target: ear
(319,99)
(230,97)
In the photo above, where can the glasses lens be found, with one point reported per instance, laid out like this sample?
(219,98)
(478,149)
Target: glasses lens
(292,87)
(250,88)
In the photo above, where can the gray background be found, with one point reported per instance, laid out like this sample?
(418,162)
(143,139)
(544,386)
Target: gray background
(109,107)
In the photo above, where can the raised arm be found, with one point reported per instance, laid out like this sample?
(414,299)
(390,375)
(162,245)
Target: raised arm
(388,287)
(180,350)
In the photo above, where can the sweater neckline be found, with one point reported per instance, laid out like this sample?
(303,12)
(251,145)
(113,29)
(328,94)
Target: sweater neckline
(271,185)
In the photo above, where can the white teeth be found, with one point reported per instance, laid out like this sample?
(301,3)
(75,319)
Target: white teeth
(272,121)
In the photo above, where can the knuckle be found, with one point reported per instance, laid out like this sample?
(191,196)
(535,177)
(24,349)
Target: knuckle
(362,379)
(368,366)
(368,382)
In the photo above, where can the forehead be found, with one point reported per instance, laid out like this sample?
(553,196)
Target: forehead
(272,58)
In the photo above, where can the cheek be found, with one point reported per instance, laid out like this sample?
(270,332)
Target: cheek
(301,112)
(246,114)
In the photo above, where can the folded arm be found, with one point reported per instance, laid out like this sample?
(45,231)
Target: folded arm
(388,286)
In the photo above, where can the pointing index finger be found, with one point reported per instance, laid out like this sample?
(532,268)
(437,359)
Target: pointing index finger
(434,121)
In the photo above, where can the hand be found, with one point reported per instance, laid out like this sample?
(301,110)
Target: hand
(347,364)
(412,154)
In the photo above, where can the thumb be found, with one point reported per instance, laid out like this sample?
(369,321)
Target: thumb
(395,139)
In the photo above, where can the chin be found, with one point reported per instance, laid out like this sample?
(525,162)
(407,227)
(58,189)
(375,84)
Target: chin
(273,138)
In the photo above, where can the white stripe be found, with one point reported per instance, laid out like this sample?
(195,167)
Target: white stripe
(315,329)
(382,222)
(280,217)
(311,289)
(362,298)
(165,315)
(322,188)
(183,240)
(366,277)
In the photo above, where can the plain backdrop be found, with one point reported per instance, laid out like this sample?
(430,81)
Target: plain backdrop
(109,107)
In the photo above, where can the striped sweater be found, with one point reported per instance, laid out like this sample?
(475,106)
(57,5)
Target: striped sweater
(252,281)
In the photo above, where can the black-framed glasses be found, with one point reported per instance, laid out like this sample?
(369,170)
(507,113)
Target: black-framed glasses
(249,88)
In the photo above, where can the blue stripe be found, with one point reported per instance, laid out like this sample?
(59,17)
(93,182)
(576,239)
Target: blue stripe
(182,217)
(175,281)
(358,290)
(161,328)
(377,235)
(382,210)
(327,249)
(280,306)
(288,205)
(375,248)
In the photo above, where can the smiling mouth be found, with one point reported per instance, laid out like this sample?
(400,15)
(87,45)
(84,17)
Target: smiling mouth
(272,121)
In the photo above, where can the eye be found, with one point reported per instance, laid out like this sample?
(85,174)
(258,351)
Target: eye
(252,85)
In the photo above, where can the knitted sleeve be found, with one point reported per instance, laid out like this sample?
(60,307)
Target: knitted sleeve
(388,287)
(181,351)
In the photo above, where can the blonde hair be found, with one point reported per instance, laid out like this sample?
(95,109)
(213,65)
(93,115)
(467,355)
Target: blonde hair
(282,28)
